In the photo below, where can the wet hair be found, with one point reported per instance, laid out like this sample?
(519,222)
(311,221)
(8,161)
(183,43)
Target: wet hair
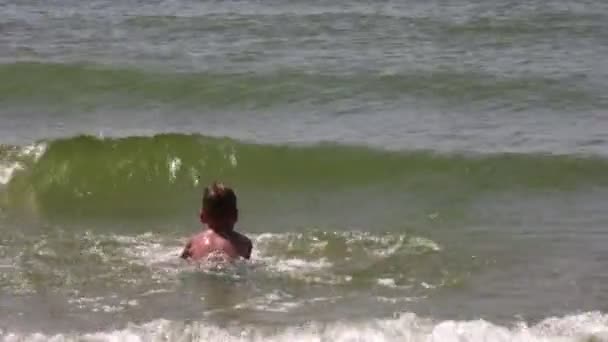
(219,201)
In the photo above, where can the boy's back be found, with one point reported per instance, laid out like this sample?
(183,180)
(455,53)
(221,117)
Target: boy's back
(231,244)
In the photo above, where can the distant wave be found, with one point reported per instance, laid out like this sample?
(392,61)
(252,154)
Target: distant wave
(70,85)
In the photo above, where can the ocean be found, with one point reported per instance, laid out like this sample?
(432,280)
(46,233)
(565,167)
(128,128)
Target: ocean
(407,170)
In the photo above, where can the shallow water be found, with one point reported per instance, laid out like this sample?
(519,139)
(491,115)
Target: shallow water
(407,171)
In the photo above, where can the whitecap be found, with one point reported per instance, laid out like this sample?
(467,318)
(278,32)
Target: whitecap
(591,326)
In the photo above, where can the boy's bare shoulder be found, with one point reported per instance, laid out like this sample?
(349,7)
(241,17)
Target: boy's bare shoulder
(243,239)
(241,236)
(244,243)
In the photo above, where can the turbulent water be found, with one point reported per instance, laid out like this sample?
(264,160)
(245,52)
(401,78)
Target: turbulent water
(407,171)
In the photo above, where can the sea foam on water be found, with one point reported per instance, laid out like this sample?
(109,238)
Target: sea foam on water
(590,326)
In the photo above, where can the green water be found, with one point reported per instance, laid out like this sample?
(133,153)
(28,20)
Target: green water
(424,171)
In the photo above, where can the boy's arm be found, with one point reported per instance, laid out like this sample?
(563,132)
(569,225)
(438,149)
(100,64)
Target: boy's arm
(186,252)
(247,247)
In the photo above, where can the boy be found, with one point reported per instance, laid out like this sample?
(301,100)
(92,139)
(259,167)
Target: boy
(219,214)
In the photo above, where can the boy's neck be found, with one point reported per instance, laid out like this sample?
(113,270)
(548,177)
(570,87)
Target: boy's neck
(220,229)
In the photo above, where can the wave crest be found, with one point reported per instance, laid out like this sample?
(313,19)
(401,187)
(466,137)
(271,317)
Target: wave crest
(591,326)
(160,175)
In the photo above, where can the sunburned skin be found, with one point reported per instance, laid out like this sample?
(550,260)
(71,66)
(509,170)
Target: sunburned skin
(231,244)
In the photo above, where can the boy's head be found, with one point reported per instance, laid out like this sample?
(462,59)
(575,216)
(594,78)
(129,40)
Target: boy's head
(219,206)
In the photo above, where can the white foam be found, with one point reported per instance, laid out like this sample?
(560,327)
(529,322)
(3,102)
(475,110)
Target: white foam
(425,243)
(34,150)
(297,265)
(175,165)
(7,170)
(427,285)
(232,159)
(100,304)
(162,254)
(396,300)
(154,292)
(275,301)
(374,245)
(389,282)
(149,250)
(279,301)
(592,326)
(310,271)
(9,167)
